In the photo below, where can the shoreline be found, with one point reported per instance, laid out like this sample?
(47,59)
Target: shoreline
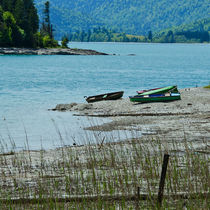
(172,120)
(102,171)
(48,51)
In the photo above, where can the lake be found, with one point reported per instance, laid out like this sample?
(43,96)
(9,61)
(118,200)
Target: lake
(30,85)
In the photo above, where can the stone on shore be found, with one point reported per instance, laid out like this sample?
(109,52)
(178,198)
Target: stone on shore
(48,51)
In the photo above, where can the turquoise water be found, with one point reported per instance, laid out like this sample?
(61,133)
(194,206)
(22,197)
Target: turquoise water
(29,85)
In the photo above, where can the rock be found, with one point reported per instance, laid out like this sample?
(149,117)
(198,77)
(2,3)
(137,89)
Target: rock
(64,107)
(82,107)
(48,51)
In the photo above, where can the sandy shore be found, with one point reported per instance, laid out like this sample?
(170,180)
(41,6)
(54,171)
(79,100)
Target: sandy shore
(178,119)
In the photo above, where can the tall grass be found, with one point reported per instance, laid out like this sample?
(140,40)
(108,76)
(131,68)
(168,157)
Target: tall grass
(106,175)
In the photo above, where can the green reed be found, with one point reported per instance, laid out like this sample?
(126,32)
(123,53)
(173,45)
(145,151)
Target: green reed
(106,175)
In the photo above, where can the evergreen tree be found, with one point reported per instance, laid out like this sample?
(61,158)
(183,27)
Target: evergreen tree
(150,35)
(19,12)
(170,37)
(47,28)
(64,42)
(19,25)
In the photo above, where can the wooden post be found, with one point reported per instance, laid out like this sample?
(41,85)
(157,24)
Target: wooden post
(162,179)
(138,192)
(137,197)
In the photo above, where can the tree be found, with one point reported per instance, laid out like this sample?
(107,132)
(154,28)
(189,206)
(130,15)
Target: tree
(19,13)
(47,28)
(170,37)
(64,42)
(19,24)
(1,14)
(150,35)
(13,33)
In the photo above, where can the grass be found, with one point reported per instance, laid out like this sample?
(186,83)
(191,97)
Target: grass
(106,176)
(208,86)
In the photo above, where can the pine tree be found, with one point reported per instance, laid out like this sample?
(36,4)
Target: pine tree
(19,12)
(64,42)
(47,28)
(150,35)
(19,23)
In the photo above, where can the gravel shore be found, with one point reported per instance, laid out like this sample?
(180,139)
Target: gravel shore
(48,51)
(188,117)
(180,128)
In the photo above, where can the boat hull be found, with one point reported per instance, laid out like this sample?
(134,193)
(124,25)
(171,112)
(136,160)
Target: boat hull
(153,98)
(159,90)
(104,97)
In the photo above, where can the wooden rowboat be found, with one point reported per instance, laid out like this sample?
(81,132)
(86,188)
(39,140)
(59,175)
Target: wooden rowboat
(106,96)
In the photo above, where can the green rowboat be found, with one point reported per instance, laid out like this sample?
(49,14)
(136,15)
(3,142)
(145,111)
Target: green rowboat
(154,98)
(161,90)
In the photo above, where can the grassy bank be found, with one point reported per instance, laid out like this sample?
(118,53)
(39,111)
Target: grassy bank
(107,176)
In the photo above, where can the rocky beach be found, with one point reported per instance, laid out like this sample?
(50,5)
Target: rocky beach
(48,51)
(170,120)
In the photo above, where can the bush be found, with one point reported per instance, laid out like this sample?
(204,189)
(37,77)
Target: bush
(64,42)
(48,42)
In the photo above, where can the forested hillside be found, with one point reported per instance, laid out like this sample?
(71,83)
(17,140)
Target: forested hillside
(130,16)
(19,25)
(197,31)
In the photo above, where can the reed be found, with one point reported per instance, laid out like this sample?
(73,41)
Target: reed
(106,175)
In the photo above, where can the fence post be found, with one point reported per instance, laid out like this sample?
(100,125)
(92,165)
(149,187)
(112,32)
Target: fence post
(162,179)
(137,197)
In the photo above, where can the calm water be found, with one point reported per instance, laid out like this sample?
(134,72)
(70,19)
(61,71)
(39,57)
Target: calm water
(29,85)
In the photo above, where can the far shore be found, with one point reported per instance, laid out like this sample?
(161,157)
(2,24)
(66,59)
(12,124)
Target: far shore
(48,51)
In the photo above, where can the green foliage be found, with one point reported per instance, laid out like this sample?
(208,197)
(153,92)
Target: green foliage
(19,24)
(104,35)
(9,19)
(48,42)
(129,16)
(150,35)
(46,30)
(64,42)
(101,34)
(197,31)
(11,34)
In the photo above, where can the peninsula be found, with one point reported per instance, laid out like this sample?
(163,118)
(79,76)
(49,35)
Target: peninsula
(48,51)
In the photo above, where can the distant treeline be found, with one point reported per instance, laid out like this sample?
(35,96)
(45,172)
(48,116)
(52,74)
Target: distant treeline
(19,25)
(102,34)
(183,37)
(197,31)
